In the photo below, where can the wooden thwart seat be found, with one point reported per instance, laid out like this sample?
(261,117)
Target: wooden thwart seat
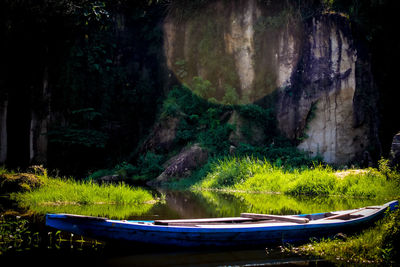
(206,220)
(344,215)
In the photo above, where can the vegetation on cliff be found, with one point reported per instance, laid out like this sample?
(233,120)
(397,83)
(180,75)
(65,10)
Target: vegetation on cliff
(209,124)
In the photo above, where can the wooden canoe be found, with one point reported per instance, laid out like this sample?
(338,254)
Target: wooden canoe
(248,230)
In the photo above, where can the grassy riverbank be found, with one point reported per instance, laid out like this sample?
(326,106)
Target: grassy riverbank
(39,192)
(57,191)
(253,175)
(376,245)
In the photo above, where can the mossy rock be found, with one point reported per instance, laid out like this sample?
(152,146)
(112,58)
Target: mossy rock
(17,182)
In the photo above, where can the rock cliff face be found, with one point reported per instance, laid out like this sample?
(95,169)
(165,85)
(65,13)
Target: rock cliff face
(323,108)
(310,66)
(237,45)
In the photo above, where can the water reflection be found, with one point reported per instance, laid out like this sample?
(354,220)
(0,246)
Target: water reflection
(99,210)
(201,204)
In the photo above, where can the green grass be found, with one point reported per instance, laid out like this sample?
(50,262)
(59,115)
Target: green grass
(376,245)
(66,195)
(68,191)
(254,175)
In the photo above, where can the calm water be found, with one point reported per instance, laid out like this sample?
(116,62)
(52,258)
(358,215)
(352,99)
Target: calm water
(70,251)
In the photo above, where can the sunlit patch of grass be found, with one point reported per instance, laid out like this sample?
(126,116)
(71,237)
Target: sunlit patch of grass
(370,183)
(68,191)
(254,175)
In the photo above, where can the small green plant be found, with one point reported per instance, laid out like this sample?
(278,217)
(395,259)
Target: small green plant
(231,97)
(202,88)
(384,167)
(16,234)
(182,73)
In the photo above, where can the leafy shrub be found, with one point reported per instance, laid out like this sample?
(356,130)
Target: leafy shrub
(202,88)
(170,107)
(216,139)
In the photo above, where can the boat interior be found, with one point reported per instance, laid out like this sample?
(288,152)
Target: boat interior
(253,218)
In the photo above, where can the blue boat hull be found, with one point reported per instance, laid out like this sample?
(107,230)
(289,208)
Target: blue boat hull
(205,236)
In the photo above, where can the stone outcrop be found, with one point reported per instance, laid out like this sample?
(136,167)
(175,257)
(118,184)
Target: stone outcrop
(311,66)
(183,164)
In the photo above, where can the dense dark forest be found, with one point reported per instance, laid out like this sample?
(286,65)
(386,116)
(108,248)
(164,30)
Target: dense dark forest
(82,83)
(97,76)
